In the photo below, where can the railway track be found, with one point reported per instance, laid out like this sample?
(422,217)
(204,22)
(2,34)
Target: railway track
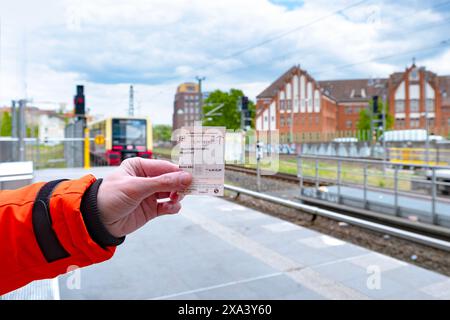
(279,175)
(434,236)
(430,235)
(396,226)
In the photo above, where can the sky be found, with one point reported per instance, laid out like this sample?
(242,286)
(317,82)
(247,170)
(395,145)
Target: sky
(47,47)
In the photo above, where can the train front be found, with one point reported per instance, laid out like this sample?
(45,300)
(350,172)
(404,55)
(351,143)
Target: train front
(130,138)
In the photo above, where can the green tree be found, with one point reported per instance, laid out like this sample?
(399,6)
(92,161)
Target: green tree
(32,132)
(229,117)
(365,116)
(6,124)
(162,132)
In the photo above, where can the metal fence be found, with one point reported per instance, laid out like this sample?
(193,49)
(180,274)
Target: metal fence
(406,152)
(416,192)
(48,153)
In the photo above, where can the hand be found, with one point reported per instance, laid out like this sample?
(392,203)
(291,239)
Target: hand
(127,199)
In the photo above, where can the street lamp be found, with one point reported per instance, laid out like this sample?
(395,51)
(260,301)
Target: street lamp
(200,95)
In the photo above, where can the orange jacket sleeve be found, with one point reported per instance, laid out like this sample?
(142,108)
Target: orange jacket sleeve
(28,236)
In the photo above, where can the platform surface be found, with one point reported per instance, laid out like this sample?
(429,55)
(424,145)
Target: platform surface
(215,249)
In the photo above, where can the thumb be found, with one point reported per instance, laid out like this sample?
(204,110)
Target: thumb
(168,182)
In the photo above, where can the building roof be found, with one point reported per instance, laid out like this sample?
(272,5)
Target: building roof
(187,87)
(34,111)
(357,90)
(353,90)
(271,90)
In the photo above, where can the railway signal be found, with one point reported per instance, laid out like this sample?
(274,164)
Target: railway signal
(80,102)
(246,120)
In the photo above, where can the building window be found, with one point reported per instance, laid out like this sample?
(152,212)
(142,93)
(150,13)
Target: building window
(400,123)
(281,104)
(317,119)
(414,106)
(448,122)
(414,123)
(399,106)
(348,109)
(281,121)
(430,105)
(348,124)
(414,75)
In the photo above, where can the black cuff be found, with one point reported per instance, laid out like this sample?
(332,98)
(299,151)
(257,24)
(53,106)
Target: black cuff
(91,217)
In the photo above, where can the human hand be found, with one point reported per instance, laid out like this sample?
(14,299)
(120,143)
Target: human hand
(127,199)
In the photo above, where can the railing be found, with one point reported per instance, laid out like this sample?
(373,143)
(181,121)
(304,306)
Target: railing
(47,153)
(385,229)
(416,192)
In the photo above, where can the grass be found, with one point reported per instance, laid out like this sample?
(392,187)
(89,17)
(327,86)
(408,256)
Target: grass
(164,152)
(350,173)
(327,170)
(46,156)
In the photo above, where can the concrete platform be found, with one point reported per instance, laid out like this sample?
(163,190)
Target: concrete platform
(215,249)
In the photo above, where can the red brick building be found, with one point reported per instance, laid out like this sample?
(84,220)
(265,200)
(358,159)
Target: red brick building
(186,109)
(302,108)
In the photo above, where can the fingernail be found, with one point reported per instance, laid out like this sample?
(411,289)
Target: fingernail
(185,178)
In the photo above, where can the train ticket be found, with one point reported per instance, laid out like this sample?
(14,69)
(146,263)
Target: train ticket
(202,153)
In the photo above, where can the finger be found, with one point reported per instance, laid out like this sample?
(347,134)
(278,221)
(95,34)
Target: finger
(169,182)
(163,195)
(154,168)
(168,208)
(176,196)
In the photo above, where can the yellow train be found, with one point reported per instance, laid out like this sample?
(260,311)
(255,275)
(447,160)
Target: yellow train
(417,156)
(119,138)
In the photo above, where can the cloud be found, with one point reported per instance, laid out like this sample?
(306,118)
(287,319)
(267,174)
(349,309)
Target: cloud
(109,44)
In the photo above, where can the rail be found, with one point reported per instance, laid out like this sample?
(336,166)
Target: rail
(404,234)
(428,186)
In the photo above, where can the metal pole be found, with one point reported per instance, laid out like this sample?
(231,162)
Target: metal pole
(365,185)
(427,140)
(300,173)
(317,174)
(433,196)
(131,102)
(87,158)
(38,158)
(339,169)
(396,208)
(291,125)
(384,132)
(22,129)
(371,132)
(200,96)
(258,169)
(14,135)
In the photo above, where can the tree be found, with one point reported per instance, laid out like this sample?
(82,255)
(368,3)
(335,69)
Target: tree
(365,116)
(32,132)
(6,124)
(229,117)
(162,132)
